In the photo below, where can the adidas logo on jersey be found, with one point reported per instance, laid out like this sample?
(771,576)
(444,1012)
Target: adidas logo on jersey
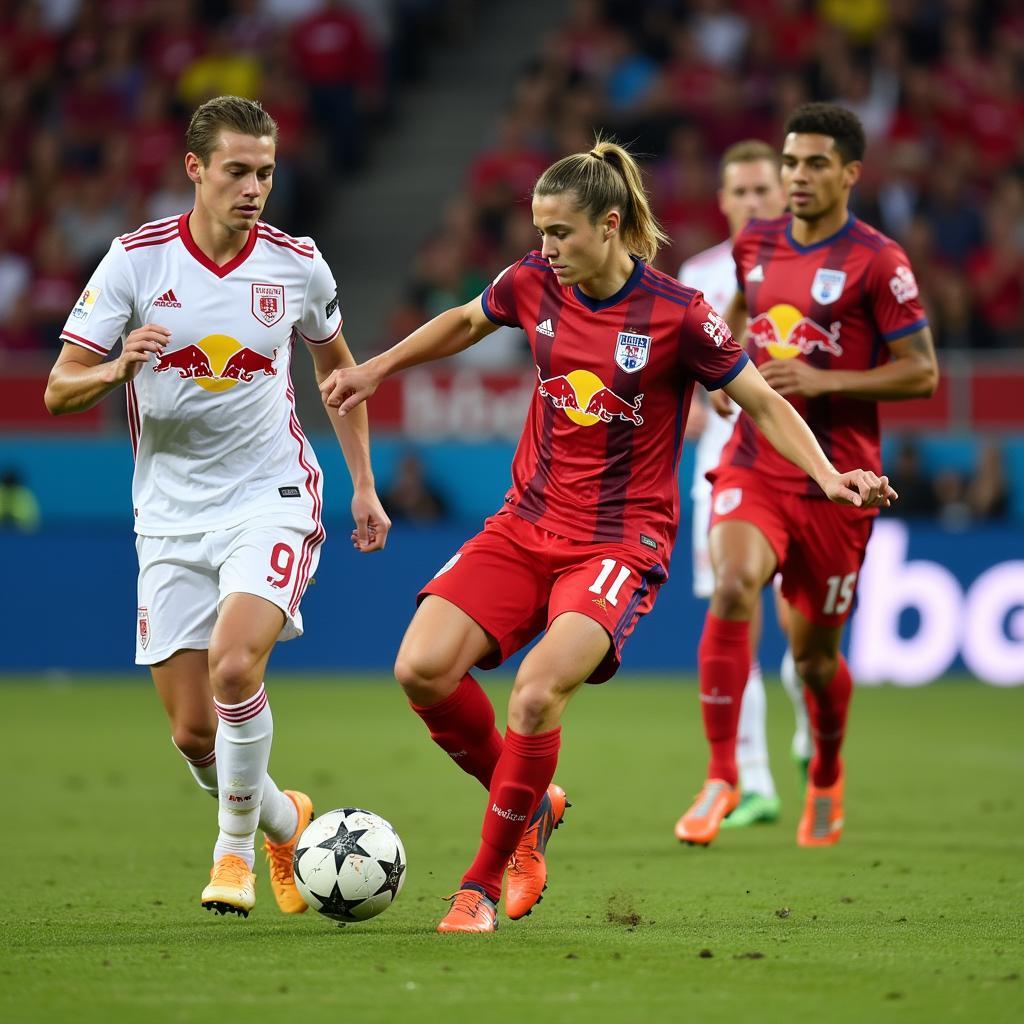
(168,299)
(546,329)
(757,274)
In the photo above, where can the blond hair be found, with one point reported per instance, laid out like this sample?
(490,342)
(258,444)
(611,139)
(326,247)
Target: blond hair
(747,152)
(604,178)
(234,113)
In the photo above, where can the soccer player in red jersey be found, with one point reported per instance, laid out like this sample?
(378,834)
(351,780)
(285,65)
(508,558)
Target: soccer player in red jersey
(836,326)
(582,544)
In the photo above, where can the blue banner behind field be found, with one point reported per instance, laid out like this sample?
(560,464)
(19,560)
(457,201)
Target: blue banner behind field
(929,602)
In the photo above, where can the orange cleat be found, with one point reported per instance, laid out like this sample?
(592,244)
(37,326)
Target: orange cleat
(280,857)
(527,870)
(822,821)
(700,824)
(471,911)
(232,888)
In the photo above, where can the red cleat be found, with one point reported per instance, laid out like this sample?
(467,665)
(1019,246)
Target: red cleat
(527,870)
(471,911)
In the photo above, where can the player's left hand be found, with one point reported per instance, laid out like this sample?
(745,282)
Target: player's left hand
(795,377)
(372,522)
(860,488)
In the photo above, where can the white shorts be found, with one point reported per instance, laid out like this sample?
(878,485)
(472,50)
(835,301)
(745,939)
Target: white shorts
(703,574)
(184,580)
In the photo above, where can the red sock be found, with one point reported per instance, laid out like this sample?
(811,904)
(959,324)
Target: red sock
(827,711)
(521,778)
(724,660)
(462,725)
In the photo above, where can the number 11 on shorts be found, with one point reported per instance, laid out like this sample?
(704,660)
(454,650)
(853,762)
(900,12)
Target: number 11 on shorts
(607,568)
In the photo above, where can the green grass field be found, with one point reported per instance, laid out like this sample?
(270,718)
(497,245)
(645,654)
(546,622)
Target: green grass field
(915,916)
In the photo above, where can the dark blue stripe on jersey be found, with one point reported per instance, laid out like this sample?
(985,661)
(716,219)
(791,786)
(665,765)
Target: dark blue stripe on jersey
(731,375)
(767,226)
(661,286)
(917,325)
(532,261)
(595,305)
(532,503)
(818,411)
(831,240)
(662,295)
(654,279)
(489,313)
(621,435)
(869,236)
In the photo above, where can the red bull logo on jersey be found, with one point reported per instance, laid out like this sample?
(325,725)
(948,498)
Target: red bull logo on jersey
(268,303)
(787,333)
(583,397)
(217,363)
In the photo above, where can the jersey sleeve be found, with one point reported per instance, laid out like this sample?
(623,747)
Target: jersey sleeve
(321,317)
(892,295)
(499,298)
(97,320)
(739,252)
(709,352)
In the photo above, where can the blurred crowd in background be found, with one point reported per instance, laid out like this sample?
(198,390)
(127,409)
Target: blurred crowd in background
(937,84)
(97,94)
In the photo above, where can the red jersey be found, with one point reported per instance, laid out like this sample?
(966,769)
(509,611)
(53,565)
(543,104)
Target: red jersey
(599,455)
(835,304)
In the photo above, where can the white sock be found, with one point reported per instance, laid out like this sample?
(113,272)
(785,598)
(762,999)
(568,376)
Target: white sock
(751,742)
(801,746)
(244,736)
(203,769)
(279,817)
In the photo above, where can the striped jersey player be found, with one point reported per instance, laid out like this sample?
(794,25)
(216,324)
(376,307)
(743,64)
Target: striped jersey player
(580,547)
(208,307)
(834,323)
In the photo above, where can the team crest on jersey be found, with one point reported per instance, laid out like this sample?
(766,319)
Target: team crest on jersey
(268,303)
(827,285)
(728,500)
(143,627)
(632,350)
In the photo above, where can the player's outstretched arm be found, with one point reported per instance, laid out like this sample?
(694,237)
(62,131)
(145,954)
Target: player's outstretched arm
(80,378)
(353,432)
(791,437)
(911,372)
(450,332)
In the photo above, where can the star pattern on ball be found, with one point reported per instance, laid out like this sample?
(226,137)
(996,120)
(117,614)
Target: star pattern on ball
(344,842)
(336,906)
(393,871)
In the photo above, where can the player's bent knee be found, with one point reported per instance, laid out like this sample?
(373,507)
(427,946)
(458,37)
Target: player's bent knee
(194,743)
(817,670)
(736,591)
(235,675)
(423,676)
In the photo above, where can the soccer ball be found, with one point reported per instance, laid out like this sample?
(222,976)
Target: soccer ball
(349,864)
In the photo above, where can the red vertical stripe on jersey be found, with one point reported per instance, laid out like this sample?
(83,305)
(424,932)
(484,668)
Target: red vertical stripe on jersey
(621,435)
(316,537)
(134,420)
(532,504)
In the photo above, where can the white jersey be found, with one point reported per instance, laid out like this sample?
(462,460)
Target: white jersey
(212,419)
(714,273)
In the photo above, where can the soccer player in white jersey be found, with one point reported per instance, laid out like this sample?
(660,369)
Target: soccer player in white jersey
(227,490)
(750,187)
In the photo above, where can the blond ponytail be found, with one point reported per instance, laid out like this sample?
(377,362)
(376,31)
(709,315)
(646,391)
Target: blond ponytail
(604,178)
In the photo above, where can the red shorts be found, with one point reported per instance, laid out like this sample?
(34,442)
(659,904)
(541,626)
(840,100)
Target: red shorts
(514,579)
(820,545)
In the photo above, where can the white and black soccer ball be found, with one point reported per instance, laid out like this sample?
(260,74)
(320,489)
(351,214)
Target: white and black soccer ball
(349,864)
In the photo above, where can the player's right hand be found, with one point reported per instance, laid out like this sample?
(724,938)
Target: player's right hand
(135,353)
(345,388)
(721,403)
